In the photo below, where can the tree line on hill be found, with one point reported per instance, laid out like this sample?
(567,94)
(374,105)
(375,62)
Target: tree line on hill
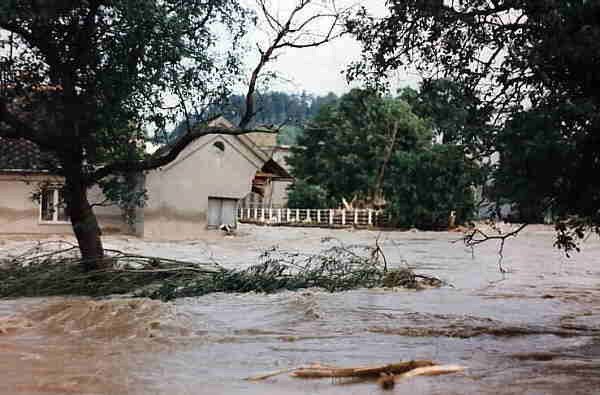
(286,111)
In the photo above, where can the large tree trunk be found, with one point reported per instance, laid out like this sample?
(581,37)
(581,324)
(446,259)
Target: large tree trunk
(85,224)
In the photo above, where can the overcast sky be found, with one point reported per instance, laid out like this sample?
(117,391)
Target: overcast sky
(320,70)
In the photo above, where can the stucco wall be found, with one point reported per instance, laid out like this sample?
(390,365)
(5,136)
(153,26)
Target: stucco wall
(178,193)
(20,214)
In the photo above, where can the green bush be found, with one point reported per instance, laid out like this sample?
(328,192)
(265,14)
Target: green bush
(425,186)
(302,194)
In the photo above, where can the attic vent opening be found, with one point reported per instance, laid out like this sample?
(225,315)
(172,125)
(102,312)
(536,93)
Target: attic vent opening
(220,145)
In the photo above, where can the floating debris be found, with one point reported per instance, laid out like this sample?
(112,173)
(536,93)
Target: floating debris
(39,272)
(386,375)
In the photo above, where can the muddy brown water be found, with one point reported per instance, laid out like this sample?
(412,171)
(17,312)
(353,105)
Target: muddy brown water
(535,330)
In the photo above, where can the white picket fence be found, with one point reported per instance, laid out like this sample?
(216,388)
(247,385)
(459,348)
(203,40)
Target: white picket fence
(314,217)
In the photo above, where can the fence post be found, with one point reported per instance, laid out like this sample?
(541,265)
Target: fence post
(343,217)
(318,216)
(262,214)
(308,218)
(370,220)
(330,217)
(279,216)
(256,213)
(297,215)
(355,217)
(270,214)
(287,215)
(248,213)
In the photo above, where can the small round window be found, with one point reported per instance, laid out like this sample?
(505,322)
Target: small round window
(220,146)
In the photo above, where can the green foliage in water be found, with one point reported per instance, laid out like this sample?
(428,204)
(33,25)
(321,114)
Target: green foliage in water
(59,279)
(337,268)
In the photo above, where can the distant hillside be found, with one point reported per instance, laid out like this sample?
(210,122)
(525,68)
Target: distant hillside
(275,108)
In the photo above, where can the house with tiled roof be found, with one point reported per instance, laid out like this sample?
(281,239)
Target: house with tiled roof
(31,197)
(201,189)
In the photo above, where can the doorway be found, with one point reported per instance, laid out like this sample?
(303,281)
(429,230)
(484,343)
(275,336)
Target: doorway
(222,211)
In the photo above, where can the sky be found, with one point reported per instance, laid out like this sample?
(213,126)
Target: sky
(319,70)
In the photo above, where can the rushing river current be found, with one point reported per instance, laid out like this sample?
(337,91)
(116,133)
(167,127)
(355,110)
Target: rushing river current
(534,330)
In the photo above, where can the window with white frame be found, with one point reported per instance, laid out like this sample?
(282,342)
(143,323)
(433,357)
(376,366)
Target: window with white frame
(52,205)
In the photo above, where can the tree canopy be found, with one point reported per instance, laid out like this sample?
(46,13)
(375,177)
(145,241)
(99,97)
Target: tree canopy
(457,116)
(374,149)
(343,148)
(521,58)
(91,81)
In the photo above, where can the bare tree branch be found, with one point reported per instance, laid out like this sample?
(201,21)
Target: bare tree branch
(477,236)
(288,33)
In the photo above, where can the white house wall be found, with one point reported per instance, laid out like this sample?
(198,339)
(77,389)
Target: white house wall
(178,193)
(19,214)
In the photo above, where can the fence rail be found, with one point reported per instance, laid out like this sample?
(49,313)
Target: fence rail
(310,217)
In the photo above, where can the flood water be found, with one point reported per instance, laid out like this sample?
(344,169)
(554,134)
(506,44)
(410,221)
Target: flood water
(535,330)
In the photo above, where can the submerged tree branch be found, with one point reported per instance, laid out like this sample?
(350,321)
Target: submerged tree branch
(477,236)
(337,268)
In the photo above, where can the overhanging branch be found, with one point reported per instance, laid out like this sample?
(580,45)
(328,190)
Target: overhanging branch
(164,158)
(287,33)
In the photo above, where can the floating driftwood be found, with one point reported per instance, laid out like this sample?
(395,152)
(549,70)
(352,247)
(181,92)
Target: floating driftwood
(361,371)
(387,374)
(433,370)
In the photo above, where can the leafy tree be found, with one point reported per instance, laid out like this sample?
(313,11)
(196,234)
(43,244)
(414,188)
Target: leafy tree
(536,162)
(426,186)
(91,81)
(302,194)
(86,81)
(376,149)
(514,55)
(344,149)
(456,114)
(459,118)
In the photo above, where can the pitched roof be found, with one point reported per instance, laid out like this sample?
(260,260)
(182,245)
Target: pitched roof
(23,155)
(274,169)
(264,141)
(221,122)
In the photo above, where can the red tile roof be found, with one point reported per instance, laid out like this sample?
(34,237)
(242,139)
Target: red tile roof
(23,155)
